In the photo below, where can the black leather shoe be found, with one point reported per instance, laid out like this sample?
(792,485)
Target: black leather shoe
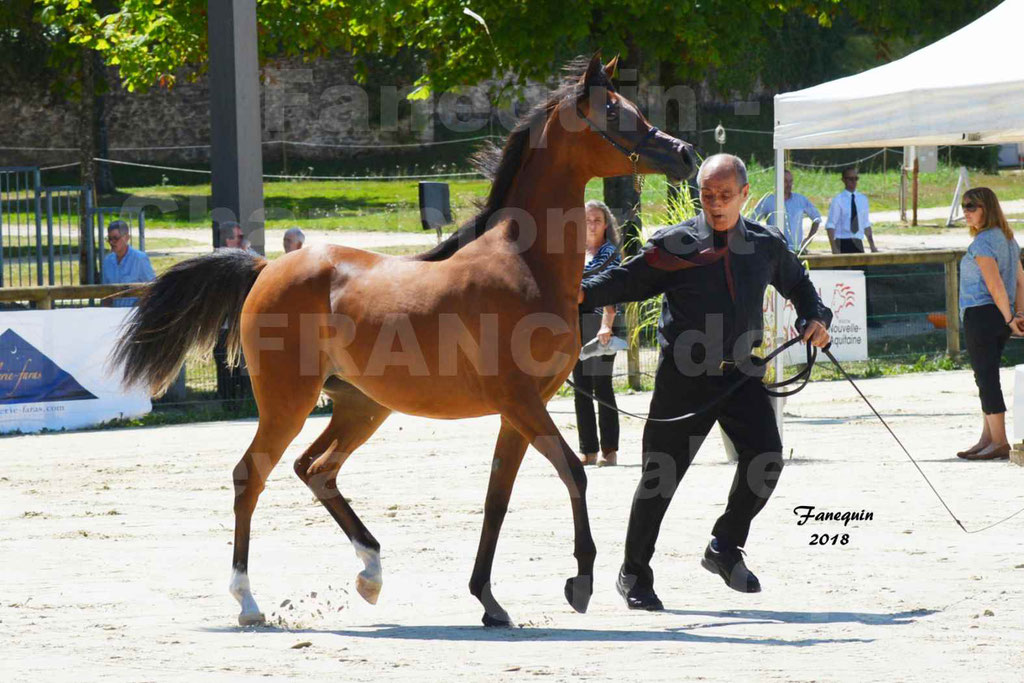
(637,597)
(728,563)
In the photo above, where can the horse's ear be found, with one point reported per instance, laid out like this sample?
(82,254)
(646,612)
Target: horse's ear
(595,72)
(611,68)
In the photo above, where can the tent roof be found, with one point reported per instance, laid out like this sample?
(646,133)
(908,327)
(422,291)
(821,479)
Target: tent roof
(967,88)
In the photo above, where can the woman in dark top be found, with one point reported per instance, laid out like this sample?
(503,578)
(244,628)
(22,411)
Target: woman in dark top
(594,375)
(991,302)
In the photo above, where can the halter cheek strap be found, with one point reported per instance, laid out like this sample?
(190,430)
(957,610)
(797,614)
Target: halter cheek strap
(633,155)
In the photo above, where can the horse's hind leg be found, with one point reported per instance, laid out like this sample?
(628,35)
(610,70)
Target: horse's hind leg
(250,477)
(355,418)
(532,420)
(508,455)
(285,400)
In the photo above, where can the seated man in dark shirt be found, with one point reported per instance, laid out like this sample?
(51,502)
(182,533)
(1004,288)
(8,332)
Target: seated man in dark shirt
(713,270)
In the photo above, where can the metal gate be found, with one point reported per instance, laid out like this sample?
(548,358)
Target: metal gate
(66,206)
(42,230)
(21,256)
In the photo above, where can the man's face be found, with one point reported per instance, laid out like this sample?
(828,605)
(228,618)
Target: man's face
(235,241)
(850,179)
(787,183)
(118,242)
(722,197)
(291,244)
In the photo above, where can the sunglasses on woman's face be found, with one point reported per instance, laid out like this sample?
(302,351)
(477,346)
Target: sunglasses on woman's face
(970,206)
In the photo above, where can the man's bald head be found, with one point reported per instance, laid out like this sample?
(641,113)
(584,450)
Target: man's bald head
(723,165)
(723,190)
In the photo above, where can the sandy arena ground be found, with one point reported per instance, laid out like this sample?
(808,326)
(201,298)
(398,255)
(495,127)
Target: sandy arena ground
(116,550)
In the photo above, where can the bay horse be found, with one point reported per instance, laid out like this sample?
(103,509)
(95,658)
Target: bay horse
(485,323)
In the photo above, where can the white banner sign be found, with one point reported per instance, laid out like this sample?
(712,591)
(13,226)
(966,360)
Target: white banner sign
(54,374)
(845,292)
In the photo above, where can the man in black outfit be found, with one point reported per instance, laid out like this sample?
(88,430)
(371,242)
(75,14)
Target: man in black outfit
(713,270)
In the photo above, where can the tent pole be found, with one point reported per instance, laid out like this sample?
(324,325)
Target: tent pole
(914,171)
(779,332)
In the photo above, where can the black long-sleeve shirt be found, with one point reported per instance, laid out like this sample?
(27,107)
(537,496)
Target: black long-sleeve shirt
(714,293)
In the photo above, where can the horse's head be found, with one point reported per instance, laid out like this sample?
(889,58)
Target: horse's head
(619,139)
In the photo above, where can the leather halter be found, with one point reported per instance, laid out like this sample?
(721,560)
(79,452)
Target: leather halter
(633,155)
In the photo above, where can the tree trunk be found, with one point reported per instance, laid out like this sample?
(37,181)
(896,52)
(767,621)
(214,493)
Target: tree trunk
(624,201)
(104,176)
(86,153)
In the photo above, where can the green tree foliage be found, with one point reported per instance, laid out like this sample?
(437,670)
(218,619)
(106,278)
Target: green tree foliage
(731,44)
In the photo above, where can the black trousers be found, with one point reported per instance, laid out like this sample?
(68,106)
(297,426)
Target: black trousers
(232,383)
(594,375)
(986,333)
(747,418)
(849,245)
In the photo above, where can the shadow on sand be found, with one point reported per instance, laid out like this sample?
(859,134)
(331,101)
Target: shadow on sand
(682,634)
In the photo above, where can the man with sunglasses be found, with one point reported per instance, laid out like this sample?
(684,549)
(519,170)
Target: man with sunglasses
(124,263)
(848,222)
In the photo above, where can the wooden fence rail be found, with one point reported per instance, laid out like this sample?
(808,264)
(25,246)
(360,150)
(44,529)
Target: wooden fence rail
(949,258)
(44,297)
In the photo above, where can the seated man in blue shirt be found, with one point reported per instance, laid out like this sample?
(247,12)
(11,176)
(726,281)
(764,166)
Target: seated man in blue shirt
(124,263)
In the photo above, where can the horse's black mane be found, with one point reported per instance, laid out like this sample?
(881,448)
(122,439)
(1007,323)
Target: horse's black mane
(502,164)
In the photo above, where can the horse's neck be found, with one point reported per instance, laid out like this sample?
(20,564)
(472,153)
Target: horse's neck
(553,196)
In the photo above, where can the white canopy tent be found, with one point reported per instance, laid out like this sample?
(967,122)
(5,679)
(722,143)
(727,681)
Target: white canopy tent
(965,89)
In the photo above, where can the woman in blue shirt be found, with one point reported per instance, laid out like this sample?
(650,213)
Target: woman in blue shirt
(991,302)
(594,375)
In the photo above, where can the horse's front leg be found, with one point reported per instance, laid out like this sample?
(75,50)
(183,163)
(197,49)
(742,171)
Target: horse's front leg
(508,455)
(530,417)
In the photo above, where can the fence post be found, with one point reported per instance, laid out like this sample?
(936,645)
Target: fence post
(39,229)
(141,226)
(633,352)
(952,308)
(90,237)
(49,235)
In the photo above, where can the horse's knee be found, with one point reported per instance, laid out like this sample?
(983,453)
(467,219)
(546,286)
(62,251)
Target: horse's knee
(249,484)
(577,482)
(301,466)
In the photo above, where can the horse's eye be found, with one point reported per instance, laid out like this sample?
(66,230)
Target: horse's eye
(611,110)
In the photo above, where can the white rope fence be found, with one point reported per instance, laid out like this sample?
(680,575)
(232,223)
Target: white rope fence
(295,143)
(417,176)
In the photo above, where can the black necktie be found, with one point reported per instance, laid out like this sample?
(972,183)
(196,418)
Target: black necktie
(854,223)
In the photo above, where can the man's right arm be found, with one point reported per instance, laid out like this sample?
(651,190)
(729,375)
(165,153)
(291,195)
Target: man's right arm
(832,223)
(634,280)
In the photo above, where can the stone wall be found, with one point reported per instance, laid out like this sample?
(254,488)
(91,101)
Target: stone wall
(312,103)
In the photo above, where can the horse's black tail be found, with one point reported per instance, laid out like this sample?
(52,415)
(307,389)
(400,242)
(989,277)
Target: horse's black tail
(183,311)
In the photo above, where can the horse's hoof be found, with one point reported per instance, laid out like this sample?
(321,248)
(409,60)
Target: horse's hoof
(502,621)
(578,590)
(251,619)
(368,589)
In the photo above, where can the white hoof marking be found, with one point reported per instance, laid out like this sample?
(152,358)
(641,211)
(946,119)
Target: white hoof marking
(369,581)
(239,588)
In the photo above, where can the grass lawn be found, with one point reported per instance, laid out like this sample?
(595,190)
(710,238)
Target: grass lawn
(393,205)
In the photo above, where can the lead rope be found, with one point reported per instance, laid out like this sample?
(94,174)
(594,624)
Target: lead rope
(923,475)
(805,374)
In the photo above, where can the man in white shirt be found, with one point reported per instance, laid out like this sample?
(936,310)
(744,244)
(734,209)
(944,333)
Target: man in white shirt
(848,222)
(797,206)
